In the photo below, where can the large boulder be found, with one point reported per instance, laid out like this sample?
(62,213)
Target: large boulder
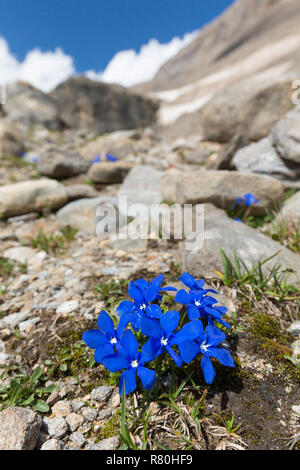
(261,157)
(200,254)
(19,429)
(245,107)
(286,138)
(221,188)
(290,211)
(86,215)
(109,172)
(31,196)
(11,141)
(142,186)
(27,105)
(57,164)
(85,103)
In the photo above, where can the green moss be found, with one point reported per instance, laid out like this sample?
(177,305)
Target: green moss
(265,327)
(111,428)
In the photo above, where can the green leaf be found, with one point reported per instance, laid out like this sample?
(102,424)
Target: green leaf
(41,406)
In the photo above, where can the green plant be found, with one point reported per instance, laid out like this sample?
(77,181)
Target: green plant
(53,243)
(110,292)
(229,425)
(23,389)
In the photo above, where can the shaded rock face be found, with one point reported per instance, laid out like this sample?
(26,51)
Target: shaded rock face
(261,157)
(290,211)
(286,138)
(27,105)
(83,103)
(58,164)
(19,429)
(31,196)
(221,188)
(251,246)
(250,109)
(109,172)
(11,141)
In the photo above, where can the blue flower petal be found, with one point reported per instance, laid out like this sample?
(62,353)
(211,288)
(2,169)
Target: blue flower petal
(106,324)
(223,356)
(189,332)
(177,359)
(150,327)
(94,338)
(103,351)
(129,344)
(189,350)
(193,312)
(147,376)
(151,293)
(125,307)
(169,322)
(151,350)
(154,311)
(214,335)
(135,293)
(187,279)
(129,377)
(208,370)
(142,284)
(182,297)
(115,362)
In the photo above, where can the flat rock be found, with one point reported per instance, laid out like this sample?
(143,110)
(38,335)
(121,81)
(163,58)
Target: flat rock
(19,429)
(86,215)
(290,210)
(221,188)
(57,426)
(58,164)
(102,393)
(31,196)
(261,157)
(202,258)
(109,172)
(111,443)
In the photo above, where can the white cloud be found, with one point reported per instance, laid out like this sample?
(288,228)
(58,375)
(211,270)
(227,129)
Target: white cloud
(44,70)
(129,67)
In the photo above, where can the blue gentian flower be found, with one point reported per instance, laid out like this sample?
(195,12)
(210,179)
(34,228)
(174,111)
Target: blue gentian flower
(190,281)
(97,159)
(142,293)
(22,154)
(248,199)
(207,343)
(129,358)
(237,219)
(111,158)
(106,339)
(162,338)
(199,304)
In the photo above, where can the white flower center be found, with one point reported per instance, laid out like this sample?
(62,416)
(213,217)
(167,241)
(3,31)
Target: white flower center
(163,341)
(113,341)
(204,346)
(143,307)
(134,364)
(197,303)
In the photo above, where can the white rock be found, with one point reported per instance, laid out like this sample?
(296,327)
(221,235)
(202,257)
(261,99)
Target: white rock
(67,307)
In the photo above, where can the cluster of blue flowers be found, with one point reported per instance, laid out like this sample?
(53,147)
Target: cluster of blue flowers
(144,332)
(245,201)
(107,157)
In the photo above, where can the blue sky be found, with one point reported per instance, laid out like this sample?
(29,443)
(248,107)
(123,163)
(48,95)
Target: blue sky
(91,32)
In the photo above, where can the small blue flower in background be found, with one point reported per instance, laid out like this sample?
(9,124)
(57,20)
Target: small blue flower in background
(111,158)
(106,338)
(22,154)
(237,219)
(106,157)
(248,199)
(207,343)
(129,358)
(97,159)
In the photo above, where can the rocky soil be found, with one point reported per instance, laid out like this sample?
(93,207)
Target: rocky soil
(59,267)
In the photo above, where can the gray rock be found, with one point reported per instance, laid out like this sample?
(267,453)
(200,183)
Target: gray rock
(31,196)
(19,429)
(56,426)
(77,405)
(78,439)
(112,443)
(286,137)
(51,444)
(294,329)
(82,214)
(296,351)
(201,257)
(261,157)
(90,414)
(58,164)
(11,141)
(102,393)
(14,319)
(28,324)
(101,107)
(141,186)
(221,188)
(290,210)
(80,191)
(74,420)
(222,160)
(109,172)
(201,155)
(105,413)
